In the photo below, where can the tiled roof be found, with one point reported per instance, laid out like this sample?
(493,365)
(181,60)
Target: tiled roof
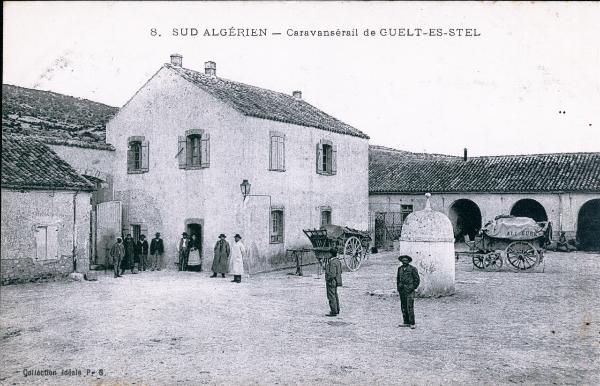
(29,164)
(403,172)
(266,104)
(53,117)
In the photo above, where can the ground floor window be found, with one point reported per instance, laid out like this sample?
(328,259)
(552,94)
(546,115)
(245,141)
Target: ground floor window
(325,216)
(46,242)
(277,226)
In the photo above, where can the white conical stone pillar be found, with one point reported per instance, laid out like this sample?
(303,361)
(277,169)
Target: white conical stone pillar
(428,238)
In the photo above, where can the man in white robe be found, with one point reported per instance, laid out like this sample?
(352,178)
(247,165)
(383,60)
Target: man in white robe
(238,253)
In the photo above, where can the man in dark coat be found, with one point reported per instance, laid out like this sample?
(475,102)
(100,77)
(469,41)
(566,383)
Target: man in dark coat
(407,282)
(221,260)
(142,251)
(333,279)
(129,245)
(117,252)
(157,249)
(183,248)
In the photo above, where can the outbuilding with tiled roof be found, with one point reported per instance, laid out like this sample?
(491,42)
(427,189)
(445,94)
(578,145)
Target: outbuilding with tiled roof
(563,188)
(45,213)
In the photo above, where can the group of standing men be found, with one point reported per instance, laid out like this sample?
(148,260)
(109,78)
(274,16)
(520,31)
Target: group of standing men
(137,255)
(131,254)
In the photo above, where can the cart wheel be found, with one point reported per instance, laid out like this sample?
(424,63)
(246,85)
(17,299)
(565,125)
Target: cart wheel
(353,253)
(522,255)
(478,261)
(492,261)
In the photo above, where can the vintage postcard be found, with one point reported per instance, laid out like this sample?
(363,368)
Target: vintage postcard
(300,193)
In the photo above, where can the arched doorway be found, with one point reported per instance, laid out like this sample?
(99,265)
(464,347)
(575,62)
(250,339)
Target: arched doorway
(588,226)
(465,217)
(529,208)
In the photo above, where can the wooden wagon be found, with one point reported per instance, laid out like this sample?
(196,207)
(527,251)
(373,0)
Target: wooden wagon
(518,240)
(350,243)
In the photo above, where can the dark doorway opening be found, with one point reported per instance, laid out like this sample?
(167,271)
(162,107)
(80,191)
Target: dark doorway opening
(529,208)
(466,219)
(194,229)
(588,226)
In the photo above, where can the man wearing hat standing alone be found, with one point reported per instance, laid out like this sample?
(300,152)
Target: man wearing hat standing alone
(157,249)
(333,279)
(407,282)
(117,252)
(221,259)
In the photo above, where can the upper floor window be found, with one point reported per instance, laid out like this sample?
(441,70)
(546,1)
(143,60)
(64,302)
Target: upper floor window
(137,155)
(276,226)
(194,150)
(326,157)
(277,153)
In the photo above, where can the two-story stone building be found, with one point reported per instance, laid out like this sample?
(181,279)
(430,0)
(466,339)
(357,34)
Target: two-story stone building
(187,141)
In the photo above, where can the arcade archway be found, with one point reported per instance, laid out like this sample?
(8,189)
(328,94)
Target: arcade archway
(465,217)
(588,226)
(529,208)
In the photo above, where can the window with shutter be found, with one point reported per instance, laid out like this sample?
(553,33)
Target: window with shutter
(182,152)
(46,242)
(138,155)
(277,152)
(205,150)
(326,157)
(194,150)
(40,242)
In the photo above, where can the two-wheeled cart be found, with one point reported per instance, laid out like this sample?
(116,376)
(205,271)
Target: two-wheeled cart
(350,243)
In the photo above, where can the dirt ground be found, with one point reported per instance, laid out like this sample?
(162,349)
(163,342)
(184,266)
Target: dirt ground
(159,328)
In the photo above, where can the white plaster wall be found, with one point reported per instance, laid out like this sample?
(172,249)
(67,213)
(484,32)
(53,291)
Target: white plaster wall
(22,212)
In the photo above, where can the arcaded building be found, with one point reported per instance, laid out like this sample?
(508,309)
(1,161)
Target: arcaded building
(563,188)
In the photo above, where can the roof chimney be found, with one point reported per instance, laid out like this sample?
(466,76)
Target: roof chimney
(465,154)
(297,95)
(176,60)
(210,68)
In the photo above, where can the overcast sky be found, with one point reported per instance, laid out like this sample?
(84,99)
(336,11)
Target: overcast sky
(498,93)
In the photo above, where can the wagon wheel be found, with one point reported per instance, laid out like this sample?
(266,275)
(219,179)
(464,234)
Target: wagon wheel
(353,253)
(478,261)
(492,261)
(522,255)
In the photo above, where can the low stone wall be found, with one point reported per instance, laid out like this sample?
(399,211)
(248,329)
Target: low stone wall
(16,271)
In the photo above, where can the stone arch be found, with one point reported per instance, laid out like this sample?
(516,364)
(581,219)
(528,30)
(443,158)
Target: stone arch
(465,217)
(529,207)
(588,225)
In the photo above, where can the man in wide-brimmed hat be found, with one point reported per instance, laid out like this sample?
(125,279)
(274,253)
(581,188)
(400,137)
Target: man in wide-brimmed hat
(221,260)
(333,279)
(183,248)
(157,249)
(407,282)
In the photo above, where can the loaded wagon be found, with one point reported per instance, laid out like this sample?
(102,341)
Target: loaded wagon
(350,243)
(518,240)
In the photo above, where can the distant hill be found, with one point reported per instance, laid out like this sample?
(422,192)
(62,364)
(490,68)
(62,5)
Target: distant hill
(55,116)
